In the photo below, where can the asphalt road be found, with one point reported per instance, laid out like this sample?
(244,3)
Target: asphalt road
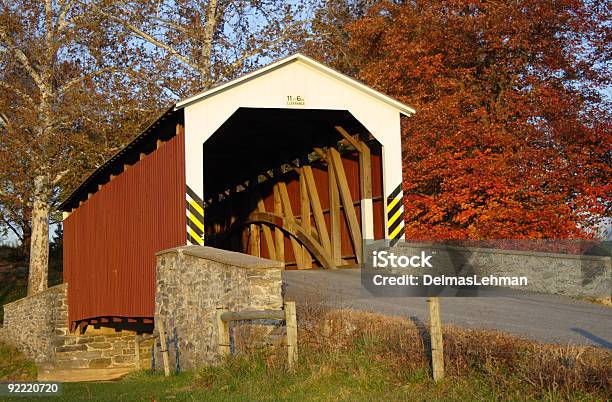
(548,318)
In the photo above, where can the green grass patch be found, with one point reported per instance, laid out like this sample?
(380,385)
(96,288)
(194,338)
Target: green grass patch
(357,375)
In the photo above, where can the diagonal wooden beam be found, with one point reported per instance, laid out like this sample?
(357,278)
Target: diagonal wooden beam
(254,241)
(316,208)
(261,207)
(347,201)
(279,238)
(334,216)
(305,217)
(321,154)
(355,143)
(297,250)
(254,238)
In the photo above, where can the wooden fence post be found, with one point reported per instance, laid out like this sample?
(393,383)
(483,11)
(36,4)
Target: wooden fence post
(435,333)
(164,347)
(292,338)
(224,334)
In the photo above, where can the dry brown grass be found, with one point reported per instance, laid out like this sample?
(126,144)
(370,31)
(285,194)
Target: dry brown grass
(506,361)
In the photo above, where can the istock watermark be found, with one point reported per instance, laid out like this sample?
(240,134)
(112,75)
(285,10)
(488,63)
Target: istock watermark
(388,259)
(491,268)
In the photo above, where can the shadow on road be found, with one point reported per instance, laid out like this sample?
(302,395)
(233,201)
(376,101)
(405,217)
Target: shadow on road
(593,338)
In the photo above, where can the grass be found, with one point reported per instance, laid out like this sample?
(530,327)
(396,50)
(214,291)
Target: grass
(355,356)
(241,379)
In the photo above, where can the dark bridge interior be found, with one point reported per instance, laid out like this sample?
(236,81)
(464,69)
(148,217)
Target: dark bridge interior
(287,184)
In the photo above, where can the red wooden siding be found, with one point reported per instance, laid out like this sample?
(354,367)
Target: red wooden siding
(110,241)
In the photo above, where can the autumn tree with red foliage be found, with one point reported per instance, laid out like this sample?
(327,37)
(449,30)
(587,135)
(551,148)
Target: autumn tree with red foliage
(512,136)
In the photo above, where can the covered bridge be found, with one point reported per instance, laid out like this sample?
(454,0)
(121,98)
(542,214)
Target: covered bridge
(294,162)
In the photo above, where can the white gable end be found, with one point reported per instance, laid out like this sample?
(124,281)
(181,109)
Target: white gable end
(294,83)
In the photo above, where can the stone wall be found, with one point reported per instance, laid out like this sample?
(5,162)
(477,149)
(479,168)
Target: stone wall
(193,281)
(38,326)
(100,348)
(32,323)
(563,274)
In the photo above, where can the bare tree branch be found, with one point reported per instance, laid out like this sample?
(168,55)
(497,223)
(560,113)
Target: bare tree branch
(59,176)
(5,122)
(62,23)
(19,55)
(8,224)
(139,32)
(64,88)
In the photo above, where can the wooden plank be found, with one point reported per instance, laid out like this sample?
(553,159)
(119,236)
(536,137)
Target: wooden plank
(292,335)
(228,316)
(279,237)
(355,143)
(305,217)
(365,187)
(254,241)
(164,347)
(261,207)
(316,209)
(347,201)
(437,344)
(254,230)
(297,249)
(334,216)
(223,332)
(321,153)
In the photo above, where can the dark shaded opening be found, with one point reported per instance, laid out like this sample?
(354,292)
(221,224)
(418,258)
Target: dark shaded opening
(253,141)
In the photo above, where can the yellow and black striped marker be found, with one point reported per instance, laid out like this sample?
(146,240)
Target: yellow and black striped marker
(195,218)
(395,216)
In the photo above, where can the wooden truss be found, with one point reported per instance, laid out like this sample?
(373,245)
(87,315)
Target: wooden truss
(320,242)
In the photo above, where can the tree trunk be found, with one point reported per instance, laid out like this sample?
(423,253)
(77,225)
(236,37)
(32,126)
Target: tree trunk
(206,51)
(39,243)
(26,229)
(24,249)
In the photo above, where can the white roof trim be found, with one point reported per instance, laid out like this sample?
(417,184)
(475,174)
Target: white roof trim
(400,107)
